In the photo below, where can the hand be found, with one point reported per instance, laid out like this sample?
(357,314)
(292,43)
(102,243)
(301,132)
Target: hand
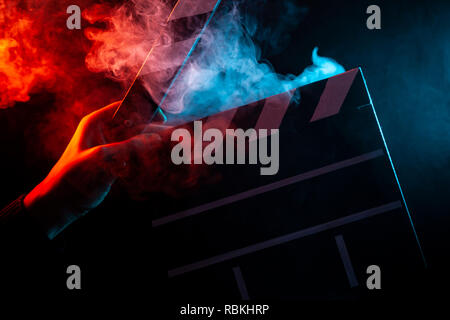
(84,174)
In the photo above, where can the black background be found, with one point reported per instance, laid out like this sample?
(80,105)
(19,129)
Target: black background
(406,65)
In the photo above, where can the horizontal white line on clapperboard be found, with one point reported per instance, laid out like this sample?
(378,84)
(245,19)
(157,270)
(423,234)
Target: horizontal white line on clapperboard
(270,187)
(286,238)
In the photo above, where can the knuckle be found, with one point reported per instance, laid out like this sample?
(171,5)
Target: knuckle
(100,153)
(84,121)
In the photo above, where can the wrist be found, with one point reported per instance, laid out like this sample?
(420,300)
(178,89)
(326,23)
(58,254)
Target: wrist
(46,212)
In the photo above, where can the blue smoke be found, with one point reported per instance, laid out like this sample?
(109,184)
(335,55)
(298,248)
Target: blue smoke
(226,69)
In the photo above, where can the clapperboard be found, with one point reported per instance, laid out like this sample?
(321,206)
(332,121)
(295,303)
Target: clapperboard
(334,208)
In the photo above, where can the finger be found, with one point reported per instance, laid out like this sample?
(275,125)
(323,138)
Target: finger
(117,157)
(89,130)
(156,128)
(103,114)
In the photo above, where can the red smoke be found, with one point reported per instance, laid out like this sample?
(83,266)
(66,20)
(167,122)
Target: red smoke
(23,66)
(38,53)
(128,33)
